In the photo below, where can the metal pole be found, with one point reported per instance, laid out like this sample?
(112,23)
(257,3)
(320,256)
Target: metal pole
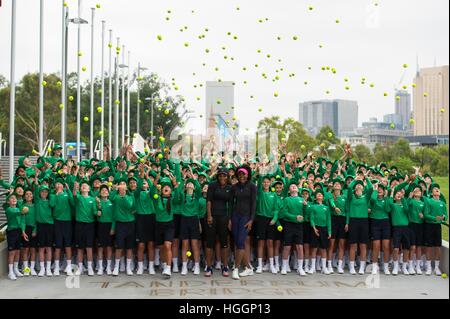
(102,121)
(128,97)
(91,107)
(41,77)
(123,96)
(63,80)
(151,122)
(66,52)
(110,141)
(79,86)
(116,107)
(12,94)
(138,97)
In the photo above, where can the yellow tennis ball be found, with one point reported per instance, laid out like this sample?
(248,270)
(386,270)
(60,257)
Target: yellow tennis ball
(442,110)
(98,6)
(425,94)
(161,139)
(44,83)
(49,149)
(61,106)
(156,196)
(65,3)
(386,173)
(25,209)
(166,112)
(110,184)
(116,102)
(146,150)
(160,156)
(110,45)
(71,98)
(275,94)
(280,228)
(273,189)
(58,84)
(80,53)
(330,134)
(99,109)
(70,147)
(83,69)
(302,147)
(188,253)
(100,133)
(142,160)
(411,121)
(26,270)
(86,119)
(405,65)
(444,275)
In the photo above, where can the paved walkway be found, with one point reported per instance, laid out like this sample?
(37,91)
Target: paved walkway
(260,286)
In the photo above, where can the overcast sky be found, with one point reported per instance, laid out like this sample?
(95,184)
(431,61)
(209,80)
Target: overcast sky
(369,41)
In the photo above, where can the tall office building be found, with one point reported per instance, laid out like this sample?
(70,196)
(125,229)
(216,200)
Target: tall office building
(430,101)
(219,104)
(403,108)
(340,115)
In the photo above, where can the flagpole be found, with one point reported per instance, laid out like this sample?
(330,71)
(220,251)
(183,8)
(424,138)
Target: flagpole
(41,77)
(102,121)
(128,97)
(123,96)
(63,80)
(110,141)
(12,94)
(116,106)
(79,85)
(91,106)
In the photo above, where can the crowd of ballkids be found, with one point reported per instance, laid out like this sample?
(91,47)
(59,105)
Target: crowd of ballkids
(143,212)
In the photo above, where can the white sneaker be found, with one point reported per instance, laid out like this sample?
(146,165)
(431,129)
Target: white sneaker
(306,266)
(437,271)
(288,268)
(41,272)
(325,271)
(122,266)
(395,269)
(90,271)
(312,270)
(411,269)
(140,270)
(68,270)
(12,276)
(218,265)
(273,270)
(330,270)
(151,270)
(277,267)
(129,271)
(108,271)
(26,274)
(301,272)
(352,270)
(184,270)
(33,272)
(115,271)
(56,271)
(418,269)
(405,269)
(374,269)
(235,274)
(17,273)
(340,270)
(259,270)
(100,271)
(362,270)
(247,272)
(48,272)
(196,269)
(386,269)
(166,272)
(175,268)
(265,268)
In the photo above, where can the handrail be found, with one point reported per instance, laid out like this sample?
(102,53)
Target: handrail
(2,142)
(48,143)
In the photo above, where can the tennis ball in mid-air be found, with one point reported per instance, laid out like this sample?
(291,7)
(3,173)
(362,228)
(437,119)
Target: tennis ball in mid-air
(330,134)
(188,253)
(302,147)
(70,147)
(86,119)
(425,94)
(273,189)
(83,69)
(280,228)
(110,184)
(25,209)
(405,65)
(116,102)
(49,149)
(161,139)
(61,106)
(155,196)
(99,109)
(392,125)
(275,94)
(160,156)
(98,6)
(322,145)
(58,84)
(442,110)
(166,112)
(71,98)
(44,83)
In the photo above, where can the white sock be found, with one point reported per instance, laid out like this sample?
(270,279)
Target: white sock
(276,258)
(49,265)
(41,263)
(313,263)
(300,263)
(108,263)
(324,263)
(100,264)
(32,264)
(259,262)
(436,264)
(140,264)
(362,265)
(80,266)
(271,262)
(16,265)
(56,264)
(185,264)
(285,263)
(330,263)
(89,264)
(128,263)
(151,264)
(340,263)
(25,264)
(117,263)
(11,269)
(352,265)
(197,265)
(68,262)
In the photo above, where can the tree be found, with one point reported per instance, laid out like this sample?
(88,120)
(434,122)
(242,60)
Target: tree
(362,153)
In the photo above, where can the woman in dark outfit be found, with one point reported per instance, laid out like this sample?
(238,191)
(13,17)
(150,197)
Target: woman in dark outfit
(217,217)
(242,215)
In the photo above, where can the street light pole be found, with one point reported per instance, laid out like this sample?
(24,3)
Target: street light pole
(102,121)
(123,96)
(110,141)
(41,77)
(12,94)
(116,107)
(79,85)
(128,97)
(138,115)
(63,80)
(91,106)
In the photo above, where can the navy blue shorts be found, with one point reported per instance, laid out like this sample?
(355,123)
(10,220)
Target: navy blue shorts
(32,241)
(104,237)
(380,229)
(45,234)
(338,227)
(164,232)
(263,229)
(417,234)
(14,239)
(320,241)
(125,235)
(189,228)
(307,233)
(84,235)
(63,234)
(433,235)
(145,228)
(401,236)
(238,230)
(358,231)
(292,233)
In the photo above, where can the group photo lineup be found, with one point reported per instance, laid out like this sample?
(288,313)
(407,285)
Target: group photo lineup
(224,150)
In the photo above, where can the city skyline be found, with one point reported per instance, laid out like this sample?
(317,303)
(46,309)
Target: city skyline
(358,39)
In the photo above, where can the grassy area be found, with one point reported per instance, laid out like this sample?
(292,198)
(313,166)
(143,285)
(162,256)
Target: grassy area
(443,183)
